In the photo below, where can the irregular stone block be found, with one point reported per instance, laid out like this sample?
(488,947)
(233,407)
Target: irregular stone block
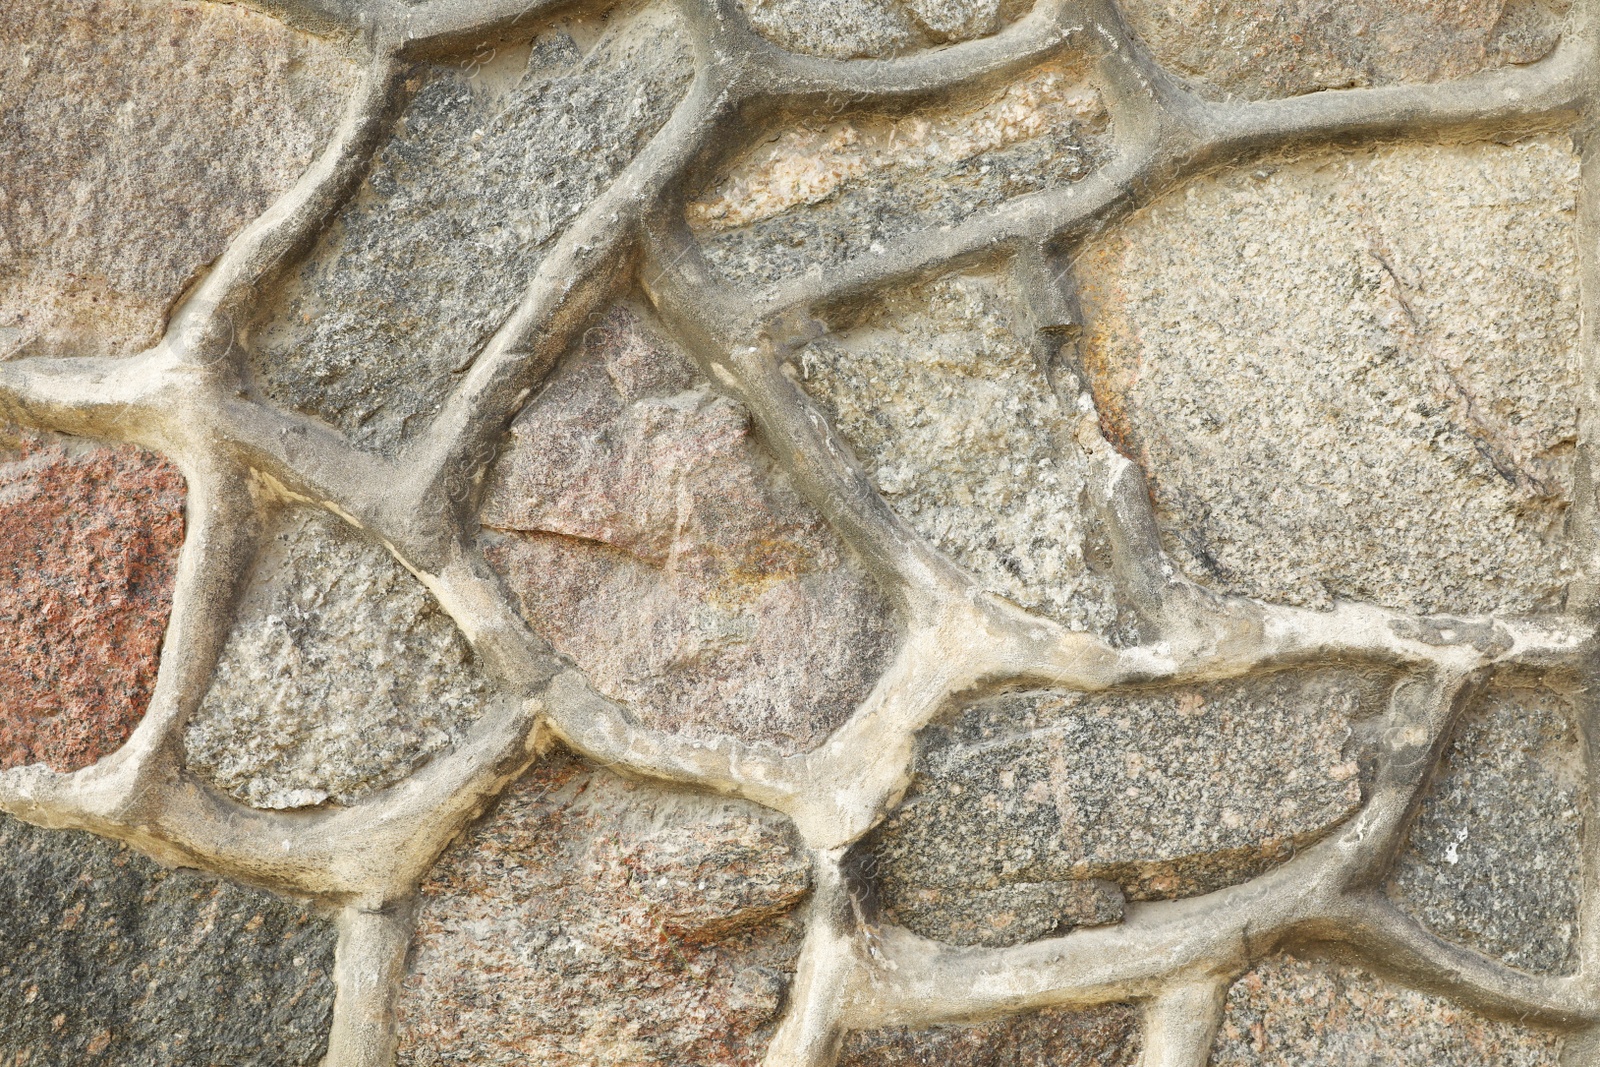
(1166,792)
(341,675)
(1107,1037)
(1493,860)
(138,138)
(591,921)
(828,189)
(1268,48)
(488,164)
(1010,913)
(1290,1013)
(853,29)
(1390,416)
(108,958)
(89,541)
(948,410)
(651,539)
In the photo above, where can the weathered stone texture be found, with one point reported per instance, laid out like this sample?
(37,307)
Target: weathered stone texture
(107,958)
(1389,414)
(828,189)
(593,922)
(1165,792)
(169,125)
(341,675)
(1494,854)
(89,540)
(1268,48)
(853,29)
(1290,1013)
(1108,1037)
(947,409)
(486,167)
(652,540)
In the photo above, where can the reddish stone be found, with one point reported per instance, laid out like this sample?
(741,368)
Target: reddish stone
(89,541)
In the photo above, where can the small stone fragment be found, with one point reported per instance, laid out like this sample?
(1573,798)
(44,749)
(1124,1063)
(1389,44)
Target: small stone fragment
(491,160)
(108,958)
(838,29)
(89,541)
(946,407)
(829,189)
(1291,1013)
(341,675)
(1390,416)
(138,137)
(651,539)
(1105,1037)
(593,922)
(1012,913)
(1493,860)
(1271,48)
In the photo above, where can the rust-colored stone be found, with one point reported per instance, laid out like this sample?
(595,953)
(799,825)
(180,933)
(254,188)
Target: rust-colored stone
(89,540)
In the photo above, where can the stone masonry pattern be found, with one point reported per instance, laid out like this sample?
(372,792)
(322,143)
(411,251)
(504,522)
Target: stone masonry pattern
(783,533)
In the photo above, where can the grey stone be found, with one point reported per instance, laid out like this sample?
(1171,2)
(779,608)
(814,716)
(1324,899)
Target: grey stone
(1011,913)
(839,29)
(106,957)
(341,675)
(1105,1037)
(827,189)
(957,20)
(1389,416)
(948,410)
(1493,859)
(487,166)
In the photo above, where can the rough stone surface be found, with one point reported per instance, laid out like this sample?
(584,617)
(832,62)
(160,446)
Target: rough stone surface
(1267,48)
(853,29)
(1389,416)
(947,409)
(1494,853)
(823,191)
(89,540)
(590,922)
(170,125)
(652,540)
(1108,1037)
(1290,1013)
(341,675)
(487,166)
(107,958)
(1166,792)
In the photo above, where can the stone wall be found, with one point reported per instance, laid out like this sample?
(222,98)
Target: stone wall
(991,533)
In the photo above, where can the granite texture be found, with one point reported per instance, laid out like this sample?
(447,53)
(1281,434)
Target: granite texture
(341,675)
(649,537)
(1390,416)
(1494,854)
(107,958)
(1165,792)
(170,126)
(89,541)
(878,29)
(1271,48)
(486,166)
(829,188)
(591,921)
(947,409)
(1106,1037)
(1290,1013)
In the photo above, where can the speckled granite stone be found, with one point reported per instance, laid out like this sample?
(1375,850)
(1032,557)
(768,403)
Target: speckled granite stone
(89,541)
(1493,860)
(487,166)
(1264,48)
(1166,792)
(1107,1037)
(138,137)
(1390,415)
(1289,1013)
(107,958)
(590,921)
(831,188)
(650,538)
(341,675)
(947,409)
(853,29)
